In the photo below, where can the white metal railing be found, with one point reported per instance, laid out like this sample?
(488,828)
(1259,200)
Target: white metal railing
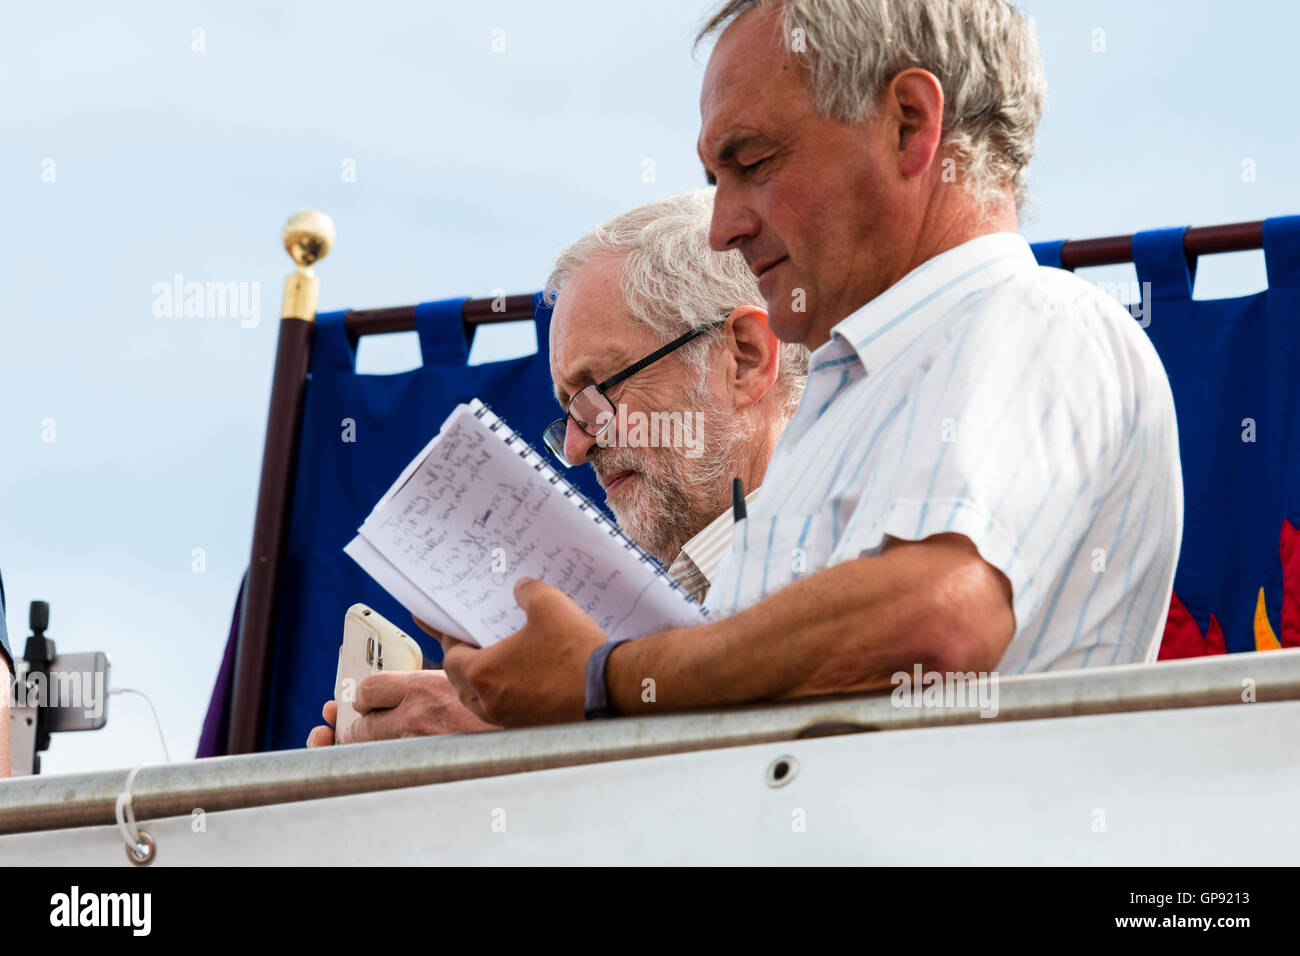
(224,783)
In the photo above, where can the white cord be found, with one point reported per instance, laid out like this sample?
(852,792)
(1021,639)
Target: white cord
(132,690)
(125,813)
(140,847)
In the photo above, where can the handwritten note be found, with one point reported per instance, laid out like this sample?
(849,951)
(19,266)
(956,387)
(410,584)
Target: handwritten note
(480,510)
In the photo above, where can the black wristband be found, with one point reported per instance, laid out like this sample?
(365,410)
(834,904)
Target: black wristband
(596,702)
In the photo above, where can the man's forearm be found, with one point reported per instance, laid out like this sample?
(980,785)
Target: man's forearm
(846,628)
(787,645)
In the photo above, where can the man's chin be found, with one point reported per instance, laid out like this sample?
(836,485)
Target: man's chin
(787,325)
(620,501)
(627,511)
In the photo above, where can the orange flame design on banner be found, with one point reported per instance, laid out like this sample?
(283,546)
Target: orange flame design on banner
(1183,637)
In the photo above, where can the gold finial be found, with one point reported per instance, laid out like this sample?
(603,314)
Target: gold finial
(308,237)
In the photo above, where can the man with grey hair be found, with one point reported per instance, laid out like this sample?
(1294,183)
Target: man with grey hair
(641,280)
(671,385)
(983,471)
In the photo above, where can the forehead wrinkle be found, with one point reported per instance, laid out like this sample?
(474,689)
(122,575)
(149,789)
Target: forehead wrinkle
(730,87)
(587,371)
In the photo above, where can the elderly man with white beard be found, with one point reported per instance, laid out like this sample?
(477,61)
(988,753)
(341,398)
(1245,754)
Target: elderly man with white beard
(671,385)
(646,284)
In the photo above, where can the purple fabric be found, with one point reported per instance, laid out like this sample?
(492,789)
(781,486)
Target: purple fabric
(212,741)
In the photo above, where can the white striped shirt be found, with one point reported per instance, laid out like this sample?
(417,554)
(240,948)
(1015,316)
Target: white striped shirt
(697,562)
(1014,404)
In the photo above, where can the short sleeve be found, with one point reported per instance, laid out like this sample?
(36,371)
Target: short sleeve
(1013,434)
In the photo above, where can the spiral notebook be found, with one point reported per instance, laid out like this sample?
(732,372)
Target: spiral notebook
(476,510)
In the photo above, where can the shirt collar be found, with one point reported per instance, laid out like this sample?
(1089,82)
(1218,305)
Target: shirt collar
(884,325)
(703,551)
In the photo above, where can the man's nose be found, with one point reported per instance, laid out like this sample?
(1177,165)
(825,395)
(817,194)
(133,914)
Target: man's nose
(577,443)
(732,223)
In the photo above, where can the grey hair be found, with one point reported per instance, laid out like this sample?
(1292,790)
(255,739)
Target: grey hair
(984,54)
(673,282)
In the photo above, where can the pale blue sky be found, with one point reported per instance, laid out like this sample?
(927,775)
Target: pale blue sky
(472,169)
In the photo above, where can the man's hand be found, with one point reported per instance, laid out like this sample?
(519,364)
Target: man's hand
(410,704)
(323,736)
(401,704)
(536,675)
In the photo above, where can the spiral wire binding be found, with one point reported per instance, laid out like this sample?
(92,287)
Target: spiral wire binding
(503,431)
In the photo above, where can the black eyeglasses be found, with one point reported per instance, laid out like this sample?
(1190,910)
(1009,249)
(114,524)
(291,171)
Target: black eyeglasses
(591,402)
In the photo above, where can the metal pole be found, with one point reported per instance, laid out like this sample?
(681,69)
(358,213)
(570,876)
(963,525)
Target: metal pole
(226,783)
(1200,241)
(308,238)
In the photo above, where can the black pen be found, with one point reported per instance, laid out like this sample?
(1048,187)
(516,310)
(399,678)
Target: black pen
(738,500)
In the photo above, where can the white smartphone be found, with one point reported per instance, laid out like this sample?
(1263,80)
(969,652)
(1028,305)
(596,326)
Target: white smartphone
(371,643)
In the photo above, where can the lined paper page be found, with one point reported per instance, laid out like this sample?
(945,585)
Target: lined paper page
(481,510)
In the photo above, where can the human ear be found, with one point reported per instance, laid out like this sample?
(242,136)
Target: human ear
(913,100)
(755,354)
